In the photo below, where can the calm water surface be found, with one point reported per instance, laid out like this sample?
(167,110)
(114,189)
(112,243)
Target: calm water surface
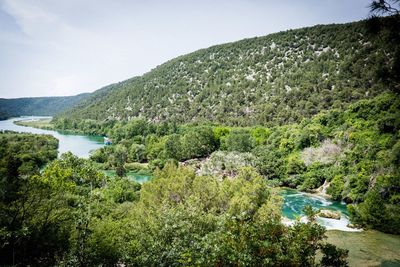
(79,145)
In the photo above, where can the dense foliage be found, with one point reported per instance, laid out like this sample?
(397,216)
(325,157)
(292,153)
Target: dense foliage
(276,79)
(354,151)
(26,153)
(72,215)
(184,219)
(37,106)
(21,157)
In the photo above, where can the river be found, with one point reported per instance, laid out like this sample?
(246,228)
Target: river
(79,145)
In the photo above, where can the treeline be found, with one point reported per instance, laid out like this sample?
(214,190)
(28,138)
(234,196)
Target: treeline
(355,151)
(72,215)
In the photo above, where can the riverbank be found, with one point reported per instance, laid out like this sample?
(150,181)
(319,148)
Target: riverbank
(45,123)
(42,123)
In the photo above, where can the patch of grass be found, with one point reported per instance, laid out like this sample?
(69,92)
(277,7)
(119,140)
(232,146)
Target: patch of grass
(368,248)
(40,123)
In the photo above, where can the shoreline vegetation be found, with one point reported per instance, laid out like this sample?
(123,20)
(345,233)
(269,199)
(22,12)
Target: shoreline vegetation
(141,169)
(47,124)
(76,212)
(364,248)
(44,123)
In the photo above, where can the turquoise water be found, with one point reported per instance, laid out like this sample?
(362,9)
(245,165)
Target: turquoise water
(79,145)
(140,178)
(134,176)
(294,202)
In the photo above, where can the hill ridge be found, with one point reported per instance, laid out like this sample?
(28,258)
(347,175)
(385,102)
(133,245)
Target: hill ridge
(279,78)
(38,106)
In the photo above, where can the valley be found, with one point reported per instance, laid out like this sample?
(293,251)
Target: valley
(279,150)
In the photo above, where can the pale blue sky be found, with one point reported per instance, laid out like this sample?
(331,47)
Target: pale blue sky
(66,47)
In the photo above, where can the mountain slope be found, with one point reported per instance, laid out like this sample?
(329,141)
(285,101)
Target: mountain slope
(277,79)
(38,106)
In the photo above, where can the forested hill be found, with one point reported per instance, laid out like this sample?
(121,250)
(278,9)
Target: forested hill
(276,79)
(37,106)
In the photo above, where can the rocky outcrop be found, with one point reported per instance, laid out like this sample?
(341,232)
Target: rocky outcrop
(330,214)
(354,226)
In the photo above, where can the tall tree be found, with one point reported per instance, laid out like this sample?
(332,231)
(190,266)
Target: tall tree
(386,30)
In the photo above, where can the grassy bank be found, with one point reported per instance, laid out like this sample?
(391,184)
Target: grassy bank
(40,123)
(368,248)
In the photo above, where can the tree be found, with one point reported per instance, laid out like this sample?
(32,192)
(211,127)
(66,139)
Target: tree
(240,141)
(186,219)
(173,147)
(50,213)
(334,256)
(385,7)
(137,153)
(386,32)
(198,142)
(120,157)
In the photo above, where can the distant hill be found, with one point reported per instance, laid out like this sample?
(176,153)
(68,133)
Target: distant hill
(276,79)
(37,106)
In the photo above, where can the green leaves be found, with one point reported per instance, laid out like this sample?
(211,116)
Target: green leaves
(70,214)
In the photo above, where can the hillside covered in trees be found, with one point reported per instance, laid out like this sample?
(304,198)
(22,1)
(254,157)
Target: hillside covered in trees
(276,79)
(304,108)
(37,106)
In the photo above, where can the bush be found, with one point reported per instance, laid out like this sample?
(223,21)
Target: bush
(239,140)
(156,164)
(136,167)
(269,162)
(295,165)
(333,256)
(336,187)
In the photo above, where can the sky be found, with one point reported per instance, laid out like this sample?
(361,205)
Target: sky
(67,47)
